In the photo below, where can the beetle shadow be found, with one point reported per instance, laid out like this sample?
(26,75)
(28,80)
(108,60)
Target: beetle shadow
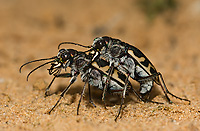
(96,96)
(155,91)
(110,99)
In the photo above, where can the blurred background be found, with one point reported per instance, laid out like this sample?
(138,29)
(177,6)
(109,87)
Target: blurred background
(167,31)
(162,29)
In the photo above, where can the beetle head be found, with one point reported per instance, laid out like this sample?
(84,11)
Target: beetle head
(63,60)
(100,42)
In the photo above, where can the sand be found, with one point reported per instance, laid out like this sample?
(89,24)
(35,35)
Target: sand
(33,29)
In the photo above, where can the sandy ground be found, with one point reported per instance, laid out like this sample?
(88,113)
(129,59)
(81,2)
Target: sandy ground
(31,30)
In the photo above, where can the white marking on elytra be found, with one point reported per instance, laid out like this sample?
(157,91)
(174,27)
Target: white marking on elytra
(147,69)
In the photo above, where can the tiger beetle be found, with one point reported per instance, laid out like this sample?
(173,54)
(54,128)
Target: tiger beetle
(128,60)
(80,63)
(64,59)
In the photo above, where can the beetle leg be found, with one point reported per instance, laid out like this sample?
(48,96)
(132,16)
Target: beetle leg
(123,96)
(48,87)
(81,97)
(65,75)
(167,91)
(73,79)
(90,98)
(147,78)
(163,86)
(107,82)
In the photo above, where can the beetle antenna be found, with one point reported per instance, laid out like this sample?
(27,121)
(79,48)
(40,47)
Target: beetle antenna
(73,44)
(37,68)
(35,61)
(89,50)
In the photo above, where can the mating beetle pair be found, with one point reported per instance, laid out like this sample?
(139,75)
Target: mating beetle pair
(107,64)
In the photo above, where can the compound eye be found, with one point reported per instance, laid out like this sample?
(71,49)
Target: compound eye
(103,42)
(98,44)
(63,55)
(115,51)
(61,51)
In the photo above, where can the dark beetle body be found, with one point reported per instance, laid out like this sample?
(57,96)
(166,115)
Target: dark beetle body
(131,61)
(127,59)
(92,74)
(80,63)
(107,65)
